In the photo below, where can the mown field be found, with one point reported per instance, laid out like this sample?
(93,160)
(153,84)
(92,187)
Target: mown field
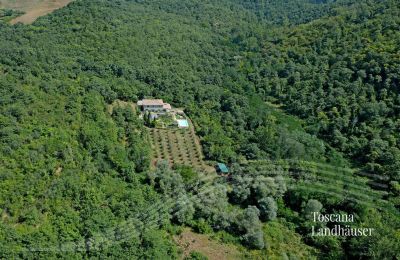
(178,147)
(32,8)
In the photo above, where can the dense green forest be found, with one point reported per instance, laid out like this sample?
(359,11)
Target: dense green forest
(301,98)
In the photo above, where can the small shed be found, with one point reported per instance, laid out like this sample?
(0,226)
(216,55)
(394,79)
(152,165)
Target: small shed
(222,168)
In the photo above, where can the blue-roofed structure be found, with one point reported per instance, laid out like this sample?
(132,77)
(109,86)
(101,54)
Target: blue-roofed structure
(222,168)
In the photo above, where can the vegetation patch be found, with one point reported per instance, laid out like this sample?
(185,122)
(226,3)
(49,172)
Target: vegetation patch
(284,243)
(32,9)
(178,147)
(8,14)
(121,104)
(190,242)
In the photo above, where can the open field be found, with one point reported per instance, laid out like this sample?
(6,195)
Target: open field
(189,241)
(120,103)
(32,8)
(178,146)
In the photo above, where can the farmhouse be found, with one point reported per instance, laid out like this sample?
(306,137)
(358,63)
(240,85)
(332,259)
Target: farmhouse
(154,105)
(158,114)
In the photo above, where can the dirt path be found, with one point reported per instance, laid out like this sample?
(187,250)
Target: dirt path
(32,8)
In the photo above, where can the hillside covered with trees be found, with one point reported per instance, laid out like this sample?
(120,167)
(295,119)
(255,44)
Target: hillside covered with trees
(301,98)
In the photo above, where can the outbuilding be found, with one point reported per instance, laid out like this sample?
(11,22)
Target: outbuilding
(222,168)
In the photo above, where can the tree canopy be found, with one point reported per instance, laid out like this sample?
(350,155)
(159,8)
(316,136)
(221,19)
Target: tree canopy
(300,98)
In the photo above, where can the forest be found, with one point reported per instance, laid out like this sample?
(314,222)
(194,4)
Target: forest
(300,98)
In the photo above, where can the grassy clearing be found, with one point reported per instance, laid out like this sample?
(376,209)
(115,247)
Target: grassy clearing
(178,147)
(32,9)
(189,241)
(120,103)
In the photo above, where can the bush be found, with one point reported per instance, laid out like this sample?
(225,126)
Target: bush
(202,227)
(250,225)
(194,255)
(268,208)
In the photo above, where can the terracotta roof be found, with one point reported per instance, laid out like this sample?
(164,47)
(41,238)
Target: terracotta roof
(151,102)
(166,106)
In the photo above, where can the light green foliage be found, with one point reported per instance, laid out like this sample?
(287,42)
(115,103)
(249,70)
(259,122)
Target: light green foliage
(268,208)
(250,226)
(283,242)
(312,206)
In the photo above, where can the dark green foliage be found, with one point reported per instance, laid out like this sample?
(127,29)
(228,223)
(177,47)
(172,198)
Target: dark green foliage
(188,173)
(194,255)
(155,246)
(341,75)
(8,14)
(73,176)
(202,227)
(290,12)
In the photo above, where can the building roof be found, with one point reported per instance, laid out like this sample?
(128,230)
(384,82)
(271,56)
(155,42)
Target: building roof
(151,102)
(222,167)
(167,106)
